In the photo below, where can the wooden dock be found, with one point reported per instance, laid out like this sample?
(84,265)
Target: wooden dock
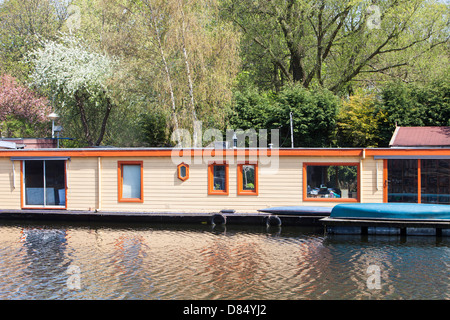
(386,226)
(215,218)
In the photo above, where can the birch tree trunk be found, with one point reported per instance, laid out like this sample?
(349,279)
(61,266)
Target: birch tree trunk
(196,126)
(166,68)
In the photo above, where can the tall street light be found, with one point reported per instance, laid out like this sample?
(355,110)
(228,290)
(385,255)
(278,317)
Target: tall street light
(53,116)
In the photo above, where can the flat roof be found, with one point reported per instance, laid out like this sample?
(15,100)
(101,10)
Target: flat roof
(171,152)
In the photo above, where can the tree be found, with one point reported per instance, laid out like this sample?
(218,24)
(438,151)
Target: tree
(78,79)
(413,105)
(23,24)
(359,121)
(369,120)
(335,44)
(182,56)
(314,114)
(154,128)
(22,111)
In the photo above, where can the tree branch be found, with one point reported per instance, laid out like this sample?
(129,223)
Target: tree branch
(385,68)
(109,107)
(79,101)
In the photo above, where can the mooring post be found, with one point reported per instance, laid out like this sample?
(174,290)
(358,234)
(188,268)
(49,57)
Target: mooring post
(364,230)
(403,232)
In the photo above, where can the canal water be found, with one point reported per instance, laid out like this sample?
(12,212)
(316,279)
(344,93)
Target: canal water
(171,262)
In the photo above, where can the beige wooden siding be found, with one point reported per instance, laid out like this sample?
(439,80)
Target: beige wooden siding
(370,175)
(9,184)
(82,183)
(164,192)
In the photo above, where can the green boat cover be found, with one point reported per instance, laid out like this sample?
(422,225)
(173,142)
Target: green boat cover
(411,211)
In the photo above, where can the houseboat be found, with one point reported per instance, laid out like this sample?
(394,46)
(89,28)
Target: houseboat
(213,180)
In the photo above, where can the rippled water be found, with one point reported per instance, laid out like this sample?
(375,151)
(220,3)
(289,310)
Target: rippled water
(55,261)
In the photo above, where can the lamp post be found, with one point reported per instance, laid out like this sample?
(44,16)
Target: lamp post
(53,116)
(234,141)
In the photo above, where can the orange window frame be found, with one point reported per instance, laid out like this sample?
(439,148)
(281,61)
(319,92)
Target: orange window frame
(179,171)
(305,182)
(240,189)
(120,165)
(211,190)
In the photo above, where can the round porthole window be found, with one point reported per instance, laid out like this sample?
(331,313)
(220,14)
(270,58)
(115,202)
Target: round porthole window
(183,171)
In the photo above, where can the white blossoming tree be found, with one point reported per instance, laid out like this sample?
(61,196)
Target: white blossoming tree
(78,79)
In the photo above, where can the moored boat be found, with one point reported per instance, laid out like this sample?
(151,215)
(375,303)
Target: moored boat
(299,210)
(396,211)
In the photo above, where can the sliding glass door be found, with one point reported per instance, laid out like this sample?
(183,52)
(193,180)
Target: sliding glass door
(435,181)
(44,183)
(402,177)
(418,180)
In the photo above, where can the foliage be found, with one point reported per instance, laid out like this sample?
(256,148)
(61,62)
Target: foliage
(347,72)
(22,111)
(369,121)
(414,105)
(154,128)
(23,24)
(253,109)
(358,121)
(78,79)
(336,44)
(313,112)
(181,57)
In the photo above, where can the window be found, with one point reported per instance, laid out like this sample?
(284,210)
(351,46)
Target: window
(418,180)
(130,181)
(247,176)
(183,171)
(403,180)
(44,182)
(218,178)
(435,181)
(331,182)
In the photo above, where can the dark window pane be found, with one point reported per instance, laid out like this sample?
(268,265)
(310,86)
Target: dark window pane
(55,183)
(219,177)
(248,177)
(435,181)
(183,171)
(332,181)
(402,176)
(34,182)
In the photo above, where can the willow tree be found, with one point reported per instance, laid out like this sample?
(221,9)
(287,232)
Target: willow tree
(77,79)
(335,43)
(181,56)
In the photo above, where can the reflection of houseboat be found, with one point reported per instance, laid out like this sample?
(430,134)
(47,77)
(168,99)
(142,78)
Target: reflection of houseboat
(209,180)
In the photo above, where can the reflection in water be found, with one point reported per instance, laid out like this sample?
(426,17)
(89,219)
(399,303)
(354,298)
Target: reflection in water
(182,262)
(38,243)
